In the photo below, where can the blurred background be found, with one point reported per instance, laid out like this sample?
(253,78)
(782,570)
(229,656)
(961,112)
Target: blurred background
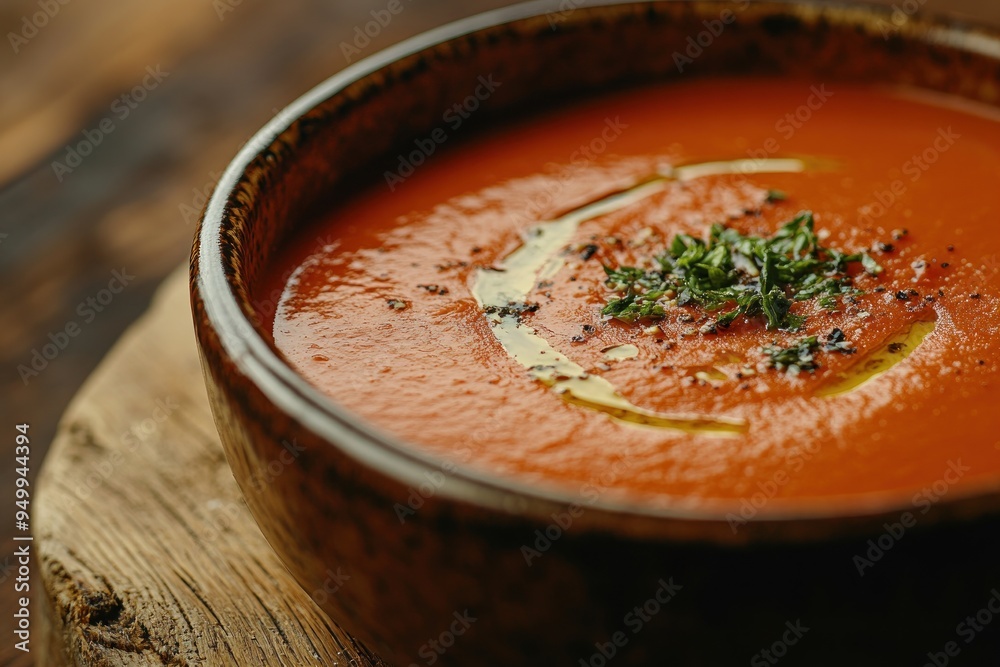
(116,120)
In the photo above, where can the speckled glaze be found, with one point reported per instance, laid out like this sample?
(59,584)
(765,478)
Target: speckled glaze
(328,511)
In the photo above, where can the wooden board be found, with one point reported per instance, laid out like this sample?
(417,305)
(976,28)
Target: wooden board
(147,553)
(133,202)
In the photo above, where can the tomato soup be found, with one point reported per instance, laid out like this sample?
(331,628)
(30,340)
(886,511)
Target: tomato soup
(682,294)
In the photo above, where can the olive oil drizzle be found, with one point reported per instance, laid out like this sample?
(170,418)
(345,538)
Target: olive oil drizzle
(539,258)
(879,361)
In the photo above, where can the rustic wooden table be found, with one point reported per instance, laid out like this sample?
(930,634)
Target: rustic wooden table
(147,553)
(129,205)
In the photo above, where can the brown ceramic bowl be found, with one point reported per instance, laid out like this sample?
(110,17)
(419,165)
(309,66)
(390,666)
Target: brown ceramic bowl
(400,588)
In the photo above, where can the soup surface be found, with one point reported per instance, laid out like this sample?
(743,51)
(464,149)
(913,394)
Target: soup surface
(521,303)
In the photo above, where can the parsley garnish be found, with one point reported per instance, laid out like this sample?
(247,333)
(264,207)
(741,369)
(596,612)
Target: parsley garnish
(836,341)
(750,276)
(775,196)
(800,356)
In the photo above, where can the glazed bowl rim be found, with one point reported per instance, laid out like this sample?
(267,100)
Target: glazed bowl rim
(342,429)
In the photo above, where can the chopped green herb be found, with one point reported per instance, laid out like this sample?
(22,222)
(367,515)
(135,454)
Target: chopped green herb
(827,302)
(836,341)
(870,265)
(776,195)
(746,276)
(800,356)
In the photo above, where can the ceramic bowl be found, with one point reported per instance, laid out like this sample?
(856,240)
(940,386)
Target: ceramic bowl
(624,584)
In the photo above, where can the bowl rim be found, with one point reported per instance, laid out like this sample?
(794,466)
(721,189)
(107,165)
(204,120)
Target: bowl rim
(408,464)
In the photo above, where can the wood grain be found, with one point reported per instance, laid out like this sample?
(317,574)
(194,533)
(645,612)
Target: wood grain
(147,554)
(133,202)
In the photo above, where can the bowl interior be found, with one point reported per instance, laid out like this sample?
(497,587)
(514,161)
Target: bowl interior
(342,132)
